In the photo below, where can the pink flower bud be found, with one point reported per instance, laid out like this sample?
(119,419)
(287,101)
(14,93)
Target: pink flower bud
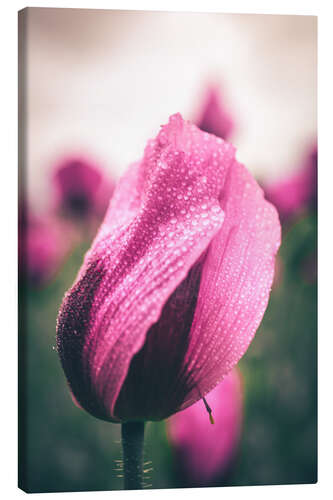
(204,451)
(175,284)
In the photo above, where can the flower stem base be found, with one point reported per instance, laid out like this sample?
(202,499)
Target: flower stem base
(132,436)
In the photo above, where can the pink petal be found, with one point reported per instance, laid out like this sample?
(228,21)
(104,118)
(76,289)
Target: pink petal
(204,451)
(149,387)
(235,284)
(162,217)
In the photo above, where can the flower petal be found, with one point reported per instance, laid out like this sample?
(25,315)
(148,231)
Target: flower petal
(235,284)
(148,390)
(162,217)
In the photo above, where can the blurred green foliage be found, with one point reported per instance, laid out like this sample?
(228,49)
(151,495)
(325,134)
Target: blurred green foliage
(62,448)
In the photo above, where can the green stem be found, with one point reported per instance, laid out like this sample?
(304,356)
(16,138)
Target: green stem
(132,435)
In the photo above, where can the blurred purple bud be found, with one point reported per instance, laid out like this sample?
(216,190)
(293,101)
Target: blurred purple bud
(42,246)
(82,190)
(297,191)
(213,117)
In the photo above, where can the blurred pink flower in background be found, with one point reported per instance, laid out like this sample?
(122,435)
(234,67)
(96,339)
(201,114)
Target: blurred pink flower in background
(294,193)
(175,284)
(203,451)
(43,245)
(213,117)
(82,189)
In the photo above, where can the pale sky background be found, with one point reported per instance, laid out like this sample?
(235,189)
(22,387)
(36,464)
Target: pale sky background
(102,82)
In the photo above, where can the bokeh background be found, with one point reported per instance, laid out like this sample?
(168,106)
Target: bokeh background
(97,85)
